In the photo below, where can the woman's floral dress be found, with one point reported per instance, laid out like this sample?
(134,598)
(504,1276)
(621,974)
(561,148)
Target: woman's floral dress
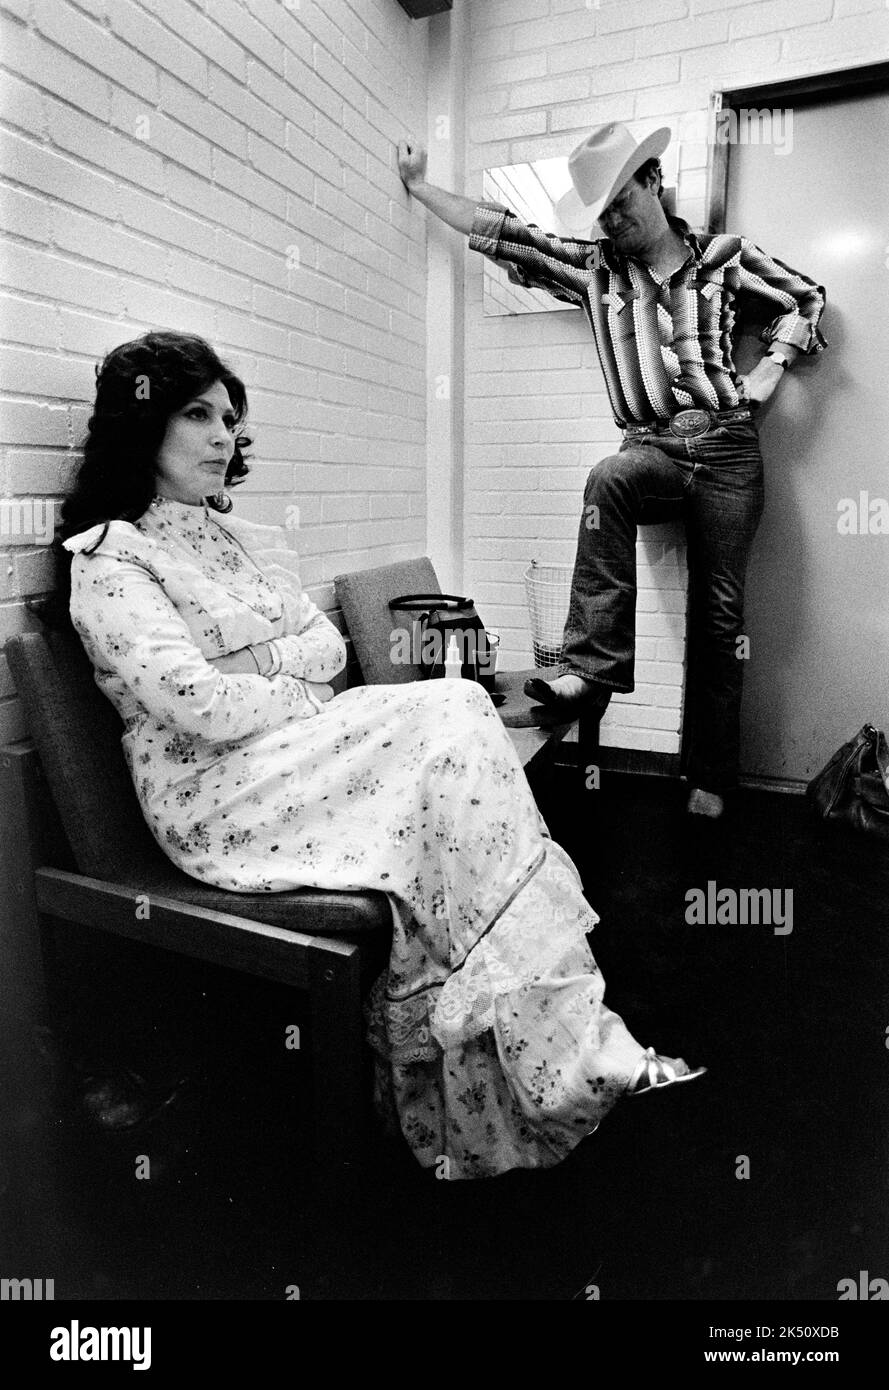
(499,1051)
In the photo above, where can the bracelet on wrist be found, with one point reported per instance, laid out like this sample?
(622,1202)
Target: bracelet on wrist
(263,658)
(274,652)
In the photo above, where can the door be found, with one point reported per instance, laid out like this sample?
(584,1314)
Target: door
(817,608)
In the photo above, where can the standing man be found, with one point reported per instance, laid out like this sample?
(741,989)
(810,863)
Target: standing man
(661,303)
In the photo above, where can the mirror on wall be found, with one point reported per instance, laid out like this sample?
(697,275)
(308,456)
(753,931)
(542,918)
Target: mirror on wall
(531,191)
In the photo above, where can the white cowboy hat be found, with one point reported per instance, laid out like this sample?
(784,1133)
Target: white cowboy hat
(600,166)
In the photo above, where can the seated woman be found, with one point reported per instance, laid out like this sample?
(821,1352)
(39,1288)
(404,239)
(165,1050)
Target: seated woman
(495,1048)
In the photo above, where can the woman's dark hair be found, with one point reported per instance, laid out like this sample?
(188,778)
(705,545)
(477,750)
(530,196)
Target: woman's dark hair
(651,166)
(138,387)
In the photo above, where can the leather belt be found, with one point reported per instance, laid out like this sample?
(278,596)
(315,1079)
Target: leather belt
(689,424)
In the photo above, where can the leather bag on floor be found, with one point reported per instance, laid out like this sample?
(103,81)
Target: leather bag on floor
(854,786)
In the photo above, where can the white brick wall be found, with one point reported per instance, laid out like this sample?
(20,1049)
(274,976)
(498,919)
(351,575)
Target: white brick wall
(271,125)
(160,157)
(542,73)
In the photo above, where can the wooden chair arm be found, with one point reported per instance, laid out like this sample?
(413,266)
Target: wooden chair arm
(221,938)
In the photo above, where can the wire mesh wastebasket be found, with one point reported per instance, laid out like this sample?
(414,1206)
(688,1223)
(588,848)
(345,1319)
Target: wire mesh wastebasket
(548,588)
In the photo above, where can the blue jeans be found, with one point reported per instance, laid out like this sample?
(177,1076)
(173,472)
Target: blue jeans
(715,483)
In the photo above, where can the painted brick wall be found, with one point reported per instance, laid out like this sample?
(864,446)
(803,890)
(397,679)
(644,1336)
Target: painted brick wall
(542,73)
(227,167)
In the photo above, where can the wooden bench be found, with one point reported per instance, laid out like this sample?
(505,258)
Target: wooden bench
(88,858)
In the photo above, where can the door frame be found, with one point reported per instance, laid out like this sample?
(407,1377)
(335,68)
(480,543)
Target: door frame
(820,87)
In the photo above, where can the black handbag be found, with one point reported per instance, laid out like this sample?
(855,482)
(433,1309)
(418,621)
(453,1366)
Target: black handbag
(436,620)
(854,786)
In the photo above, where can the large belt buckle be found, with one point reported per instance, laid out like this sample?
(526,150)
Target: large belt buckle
(687,424)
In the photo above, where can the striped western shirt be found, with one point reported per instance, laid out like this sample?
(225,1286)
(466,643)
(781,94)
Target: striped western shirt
(664,345)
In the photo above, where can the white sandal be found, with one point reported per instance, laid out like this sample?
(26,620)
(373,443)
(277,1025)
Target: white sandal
(654,1073)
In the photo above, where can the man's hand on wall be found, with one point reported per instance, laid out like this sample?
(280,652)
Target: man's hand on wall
(453,208)
(411,163)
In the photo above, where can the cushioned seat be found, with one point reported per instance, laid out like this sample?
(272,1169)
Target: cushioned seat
(77,734)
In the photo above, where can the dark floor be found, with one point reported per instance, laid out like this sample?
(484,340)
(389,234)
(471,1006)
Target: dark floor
(792,1027)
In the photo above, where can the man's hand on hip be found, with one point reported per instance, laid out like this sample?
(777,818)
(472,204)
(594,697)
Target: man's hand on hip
(758,385)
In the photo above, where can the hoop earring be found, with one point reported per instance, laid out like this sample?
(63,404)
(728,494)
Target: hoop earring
(222,501)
